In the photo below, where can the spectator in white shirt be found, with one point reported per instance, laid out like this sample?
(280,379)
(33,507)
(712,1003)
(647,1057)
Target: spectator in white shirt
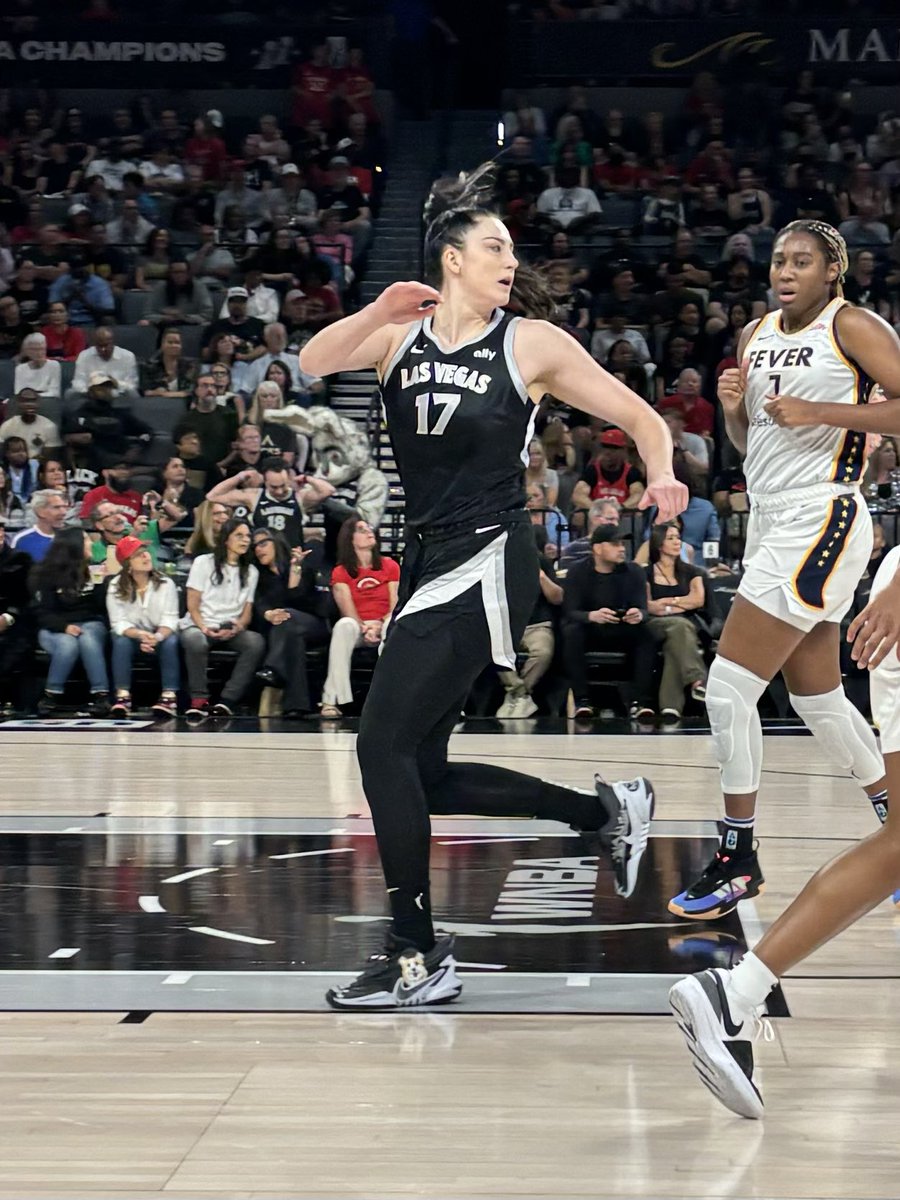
(617,331)
(113,167)
(247,376)
(161,173)
(569,206)
(39,433)
(263,302)
(295,198)
(115,361)
(220,591)
(143,615)
(36,372)
(689,446)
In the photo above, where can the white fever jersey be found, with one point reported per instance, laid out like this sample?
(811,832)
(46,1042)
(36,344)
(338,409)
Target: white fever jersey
(811,365)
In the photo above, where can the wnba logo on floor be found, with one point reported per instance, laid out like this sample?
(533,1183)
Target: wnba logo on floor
(548,888)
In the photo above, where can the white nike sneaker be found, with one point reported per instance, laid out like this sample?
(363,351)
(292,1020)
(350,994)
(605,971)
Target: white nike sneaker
(629,838)
(507,708)
(720,1034)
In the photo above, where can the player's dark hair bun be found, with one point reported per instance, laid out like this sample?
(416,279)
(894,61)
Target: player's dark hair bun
(453,207)
(469,191)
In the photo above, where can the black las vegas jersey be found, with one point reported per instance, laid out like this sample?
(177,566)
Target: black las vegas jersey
(459,423)
(281,516)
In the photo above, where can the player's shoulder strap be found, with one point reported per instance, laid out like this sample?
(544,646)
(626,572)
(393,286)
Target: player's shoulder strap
(400,343)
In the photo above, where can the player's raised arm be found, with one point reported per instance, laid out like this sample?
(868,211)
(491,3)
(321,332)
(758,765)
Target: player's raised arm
(552,361)
(364,339)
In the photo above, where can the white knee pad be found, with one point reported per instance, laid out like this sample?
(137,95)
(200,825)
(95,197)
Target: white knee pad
(732,693)
(843,732)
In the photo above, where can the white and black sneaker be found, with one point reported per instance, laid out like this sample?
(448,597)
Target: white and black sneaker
(720,1033)
(629,837)
(402,977)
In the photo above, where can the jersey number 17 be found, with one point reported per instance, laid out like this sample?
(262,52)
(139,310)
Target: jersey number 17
(448,402)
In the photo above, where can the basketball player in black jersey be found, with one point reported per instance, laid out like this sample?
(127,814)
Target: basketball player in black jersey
(461,381)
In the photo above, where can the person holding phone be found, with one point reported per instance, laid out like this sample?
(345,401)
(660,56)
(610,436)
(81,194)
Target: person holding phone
(285,613)
(605,608)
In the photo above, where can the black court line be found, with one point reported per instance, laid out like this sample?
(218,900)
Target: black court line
(138,1017)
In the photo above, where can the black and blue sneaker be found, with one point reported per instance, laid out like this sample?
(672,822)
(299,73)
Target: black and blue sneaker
(399,976)
(720,889)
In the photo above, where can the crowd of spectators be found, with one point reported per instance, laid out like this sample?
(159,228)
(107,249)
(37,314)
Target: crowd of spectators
(653,233)
(159,272)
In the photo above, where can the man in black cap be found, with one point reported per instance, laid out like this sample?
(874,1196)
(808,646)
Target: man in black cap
(246,331)
(605,608)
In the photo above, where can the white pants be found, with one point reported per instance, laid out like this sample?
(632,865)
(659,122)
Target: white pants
(345,637)
(884,681)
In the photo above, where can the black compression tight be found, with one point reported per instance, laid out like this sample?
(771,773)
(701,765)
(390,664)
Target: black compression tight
(417,693)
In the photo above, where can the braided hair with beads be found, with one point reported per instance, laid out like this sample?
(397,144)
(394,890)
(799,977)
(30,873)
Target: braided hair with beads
(832,243)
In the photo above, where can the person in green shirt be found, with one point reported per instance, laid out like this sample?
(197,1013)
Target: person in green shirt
(111,525)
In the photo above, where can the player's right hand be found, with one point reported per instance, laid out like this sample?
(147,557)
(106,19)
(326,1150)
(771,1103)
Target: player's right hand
(875,632)
(732,383)
(406,301)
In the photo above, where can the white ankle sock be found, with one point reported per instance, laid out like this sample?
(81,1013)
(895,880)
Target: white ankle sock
(750,981)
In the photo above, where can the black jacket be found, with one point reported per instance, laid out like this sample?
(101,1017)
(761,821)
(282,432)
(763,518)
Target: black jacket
(272,591)
(54,610)
(585,589)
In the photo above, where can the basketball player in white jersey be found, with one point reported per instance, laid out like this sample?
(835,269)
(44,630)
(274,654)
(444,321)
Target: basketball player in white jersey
(797,408)
(719,1011)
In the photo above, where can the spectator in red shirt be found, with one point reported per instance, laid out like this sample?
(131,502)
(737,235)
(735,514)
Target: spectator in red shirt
(698,413)
(615,172)
(712,166)
(64,341)
(609,474)
(356,87)
(206,149)
(313,88)
(116,490)
(365,586)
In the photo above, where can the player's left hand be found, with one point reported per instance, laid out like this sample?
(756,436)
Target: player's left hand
(876,631)
(790,412)
(669,496)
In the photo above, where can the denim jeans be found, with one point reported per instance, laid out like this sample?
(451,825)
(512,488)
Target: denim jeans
(166,656)
(65,650)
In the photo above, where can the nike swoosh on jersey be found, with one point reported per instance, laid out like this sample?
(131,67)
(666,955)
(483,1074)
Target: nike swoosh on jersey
(487,528)
(417,349)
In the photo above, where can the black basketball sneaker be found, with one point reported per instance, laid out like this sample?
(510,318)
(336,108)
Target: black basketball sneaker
(400,976)
(720,889)
(720,1033)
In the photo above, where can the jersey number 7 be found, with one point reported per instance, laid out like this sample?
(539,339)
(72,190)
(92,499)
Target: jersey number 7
(449,403)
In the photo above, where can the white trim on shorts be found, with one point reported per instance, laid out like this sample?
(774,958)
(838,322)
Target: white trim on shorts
(487,568)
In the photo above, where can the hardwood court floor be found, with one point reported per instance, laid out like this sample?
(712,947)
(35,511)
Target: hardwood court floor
(444,1104)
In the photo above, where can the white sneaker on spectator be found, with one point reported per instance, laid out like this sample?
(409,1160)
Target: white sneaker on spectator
(524,706)
(508,707)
